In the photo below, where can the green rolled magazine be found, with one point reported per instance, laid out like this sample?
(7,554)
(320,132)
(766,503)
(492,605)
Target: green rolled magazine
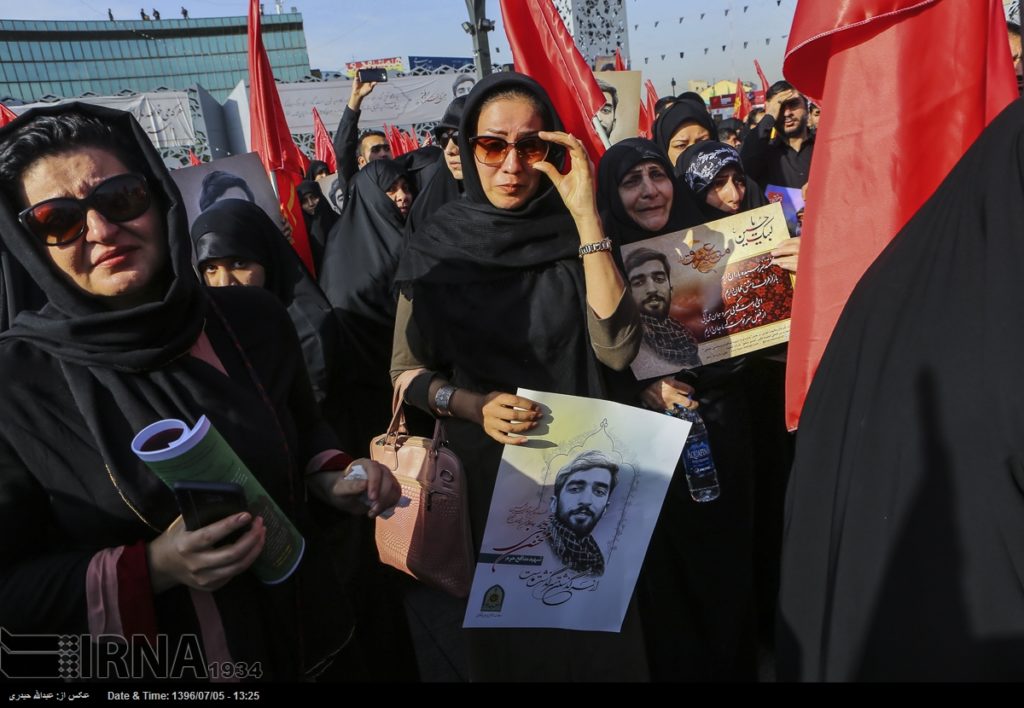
(177,453)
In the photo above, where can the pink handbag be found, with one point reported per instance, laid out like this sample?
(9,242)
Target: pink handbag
(427,535)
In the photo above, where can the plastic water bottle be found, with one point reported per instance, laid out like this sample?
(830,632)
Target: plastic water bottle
(701,475)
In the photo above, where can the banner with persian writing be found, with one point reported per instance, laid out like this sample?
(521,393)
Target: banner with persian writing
(710,292)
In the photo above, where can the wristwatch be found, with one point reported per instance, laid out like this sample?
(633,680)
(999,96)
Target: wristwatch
(603,245)
(443,399)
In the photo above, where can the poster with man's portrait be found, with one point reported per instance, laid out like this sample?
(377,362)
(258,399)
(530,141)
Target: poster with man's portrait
(236,177)
(572,514)
(620,114)
(331,188)
(709,293)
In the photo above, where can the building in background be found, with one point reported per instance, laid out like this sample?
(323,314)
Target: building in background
(43,60)
(597,26)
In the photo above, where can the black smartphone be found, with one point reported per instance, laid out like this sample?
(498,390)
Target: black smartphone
(203,503)
(368,75)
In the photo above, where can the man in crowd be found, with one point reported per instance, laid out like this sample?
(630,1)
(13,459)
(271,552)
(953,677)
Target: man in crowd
(354,150)
(731,131)
(780,149)
(665,340)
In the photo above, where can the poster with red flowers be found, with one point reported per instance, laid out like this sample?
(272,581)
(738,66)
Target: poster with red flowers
(710,292)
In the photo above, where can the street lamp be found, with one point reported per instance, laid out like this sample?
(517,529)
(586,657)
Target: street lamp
(478,27)
(673,86)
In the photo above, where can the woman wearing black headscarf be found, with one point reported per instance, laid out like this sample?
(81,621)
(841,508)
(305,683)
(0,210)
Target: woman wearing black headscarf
(317,169)
(358,279)
(318,217)
(232,236)
(91,541)
(444,182)
(686,123)
(514,285)
(903,555)
(713,173)
(700,552)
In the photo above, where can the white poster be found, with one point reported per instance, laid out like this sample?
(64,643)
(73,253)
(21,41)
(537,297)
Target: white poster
(165,116)
(401,101)
(572,514)
(620,115)
(237,177)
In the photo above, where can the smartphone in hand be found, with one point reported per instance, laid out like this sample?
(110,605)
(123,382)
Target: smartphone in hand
(372,75)
(204,503)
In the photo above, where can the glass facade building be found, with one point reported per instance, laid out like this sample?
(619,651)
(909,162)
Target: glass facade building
(67,59)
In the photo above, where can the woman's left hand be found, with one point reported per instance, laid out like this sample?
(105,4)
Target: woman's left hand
(785,256)
(380,487)
(577,186)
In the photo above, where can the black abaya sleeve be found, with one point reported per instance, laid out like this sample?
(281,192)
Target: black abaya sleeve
(41,589)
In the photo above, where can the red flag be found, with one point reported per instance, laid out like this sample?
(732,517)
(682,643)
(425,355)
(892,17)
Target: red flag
(6,115)
(647,110)
(271,138)
(193,158)
(620,65)
(869,176)
(543,49)
(741,105)
(760,75)
(323,146)
(394,141)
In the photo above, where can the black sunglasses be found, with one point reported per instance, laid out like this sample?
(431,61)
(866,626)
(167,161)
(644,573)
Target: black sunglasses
(445,135)
(492,151)
(61,220)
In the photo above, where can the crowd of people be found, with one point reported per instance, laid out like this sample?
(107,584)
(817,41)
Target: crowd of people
(454,275)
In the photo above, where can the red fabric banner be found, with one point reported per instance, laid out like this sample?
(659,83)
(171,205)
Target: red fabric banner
(760,75)
(6,115)
(271,138)
(543,49)
(193,158)
(323,146)
(741,105)
(647,110)
(874,167)
(620,65)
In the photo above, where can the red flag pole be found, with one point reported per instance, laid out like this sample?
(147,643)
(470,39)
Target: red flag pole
(271,138)
(323,146)
(841,53)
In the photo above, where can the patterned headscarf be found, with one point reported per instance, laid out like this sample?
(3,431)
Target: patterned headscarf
(700,164)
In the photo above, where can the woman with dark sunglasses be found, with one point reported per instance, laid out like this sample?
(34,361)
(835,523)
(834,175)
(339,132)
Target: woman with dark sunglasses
(514,286)
(444,181)
(91,541)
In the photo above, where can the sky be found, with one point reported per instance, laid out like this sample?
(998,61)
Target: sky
(339,31)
